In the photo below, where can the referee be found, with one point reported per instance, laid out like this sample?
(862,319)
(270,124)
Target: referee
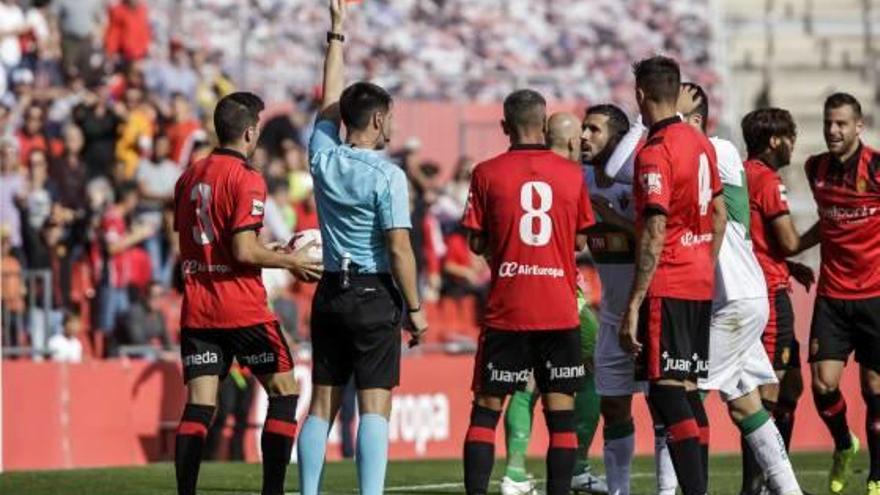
(370,270)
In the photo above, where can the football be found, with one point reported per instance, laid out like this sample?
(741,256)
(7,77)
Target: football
(303,238)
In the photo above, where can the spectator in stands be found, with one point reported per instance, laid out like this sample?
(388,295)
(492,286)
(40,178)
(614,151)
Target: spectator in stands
(450,206)
(117,241)
(464,273)
(144,324)
(12,292)
(39,193)
(12,183)
(136,132)
(66,347)
(175,76)
(182,130)
(155,179)
(98,121)
(32,135)
(128,31)
(69,172)
(79,22)
(12,25)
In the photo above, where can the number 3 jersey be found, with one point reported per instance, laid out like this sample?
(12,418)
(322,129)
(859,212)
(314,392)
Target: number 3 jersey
(214,199)
(677,175)
(530,204)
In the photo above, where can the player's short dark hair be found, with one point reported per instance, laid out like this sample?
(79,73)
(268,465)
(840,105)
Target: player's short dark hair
(703,107)
(124,189)
(838,100)
(618,123)
(758,126)
(360,101)
(274,185)
(659,78)
(234,114)
(525,108)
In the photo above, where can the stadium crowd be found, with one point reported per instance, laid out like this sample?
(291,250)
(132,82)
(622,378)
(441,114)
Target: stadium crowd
(101,109)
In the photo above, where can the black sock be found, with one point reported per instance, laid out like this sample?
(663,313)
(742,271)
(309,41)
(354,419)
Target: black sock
(699,411)
(783,416)
(562,451)
(279,433)
(671,404)
(479,450)
(832,410)
(872,431)
(189,443)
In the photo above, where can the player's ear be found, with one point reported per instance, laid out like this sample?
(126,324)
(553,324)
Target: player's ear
(860,126)
(775,142)
(640,96)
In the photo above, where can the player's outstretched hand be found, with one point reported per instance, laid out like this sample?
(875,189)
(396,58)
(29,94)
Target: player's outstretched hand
(627,333)
(418,327)
(802,274)
(337,13)
(304,266)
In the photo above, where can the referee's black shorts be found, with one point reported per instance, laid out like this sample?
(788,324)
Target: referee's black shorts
(356,331)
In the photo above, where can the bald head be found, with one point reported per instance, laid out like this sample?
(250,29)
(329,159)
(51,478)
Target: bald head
(564,135)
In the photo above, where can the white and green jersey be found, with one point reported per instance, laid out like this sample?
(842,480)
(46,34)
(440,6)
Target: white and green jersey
(738,274)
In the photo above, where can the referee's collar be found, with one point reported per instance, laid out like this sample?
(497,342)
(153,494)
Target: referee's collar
(229,152)
(660,125)
(528,147)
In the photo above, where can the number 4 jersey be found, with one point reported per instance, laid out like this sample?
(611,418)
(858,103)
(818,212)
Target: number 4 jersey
(677,175)
(530,203)
(214,199)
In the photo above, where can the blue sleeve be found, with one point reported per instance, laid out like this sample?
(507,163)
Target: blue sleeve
(394,202)
(324,136)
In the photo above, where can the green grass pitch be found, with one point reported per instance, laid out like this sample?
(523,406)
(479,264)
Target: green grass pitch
(415,477)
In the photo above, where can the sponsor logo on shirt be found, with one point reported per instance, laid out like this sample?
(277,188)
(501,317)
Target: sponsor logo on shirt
(565,372)
(510,269)
(191,267)
(257,208)
(689,239)
(506,376)
(653,183)
(263,358)
(206,357)
(684,365)
(849,215)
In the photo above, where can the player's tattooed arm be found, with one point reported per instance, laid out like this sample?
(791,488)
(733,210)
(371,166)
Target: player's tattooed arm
(650,245)
(334,65)
(648,249)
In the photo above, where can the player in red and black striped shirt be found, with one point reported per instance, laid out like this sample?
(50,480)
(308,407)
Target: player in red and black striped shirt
(680,222)
(846,185)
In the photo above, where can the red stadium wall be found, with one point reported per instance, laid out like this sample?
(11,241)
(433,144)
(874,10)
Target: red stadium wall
(124,412)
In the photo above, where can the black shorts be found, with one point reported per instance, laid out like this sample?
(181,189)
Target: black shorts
(674,334)
(356,331)
(841,326)
(506,359)
(209,352)
(778,338)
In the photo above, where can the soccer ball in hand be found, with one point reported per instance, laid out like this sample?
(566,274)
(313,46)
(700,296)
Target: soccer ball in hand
(303,238)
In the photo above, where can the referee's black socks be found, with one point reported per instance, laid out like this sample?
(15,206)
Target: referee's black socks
(189,444)
(673,408)
(562,451)
(279,433)
(479,450)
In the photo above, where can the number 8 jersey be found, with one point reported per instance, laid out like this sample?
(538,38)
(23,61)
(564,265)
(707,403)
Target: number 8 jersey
(214,199)
(530,204)
(677,175)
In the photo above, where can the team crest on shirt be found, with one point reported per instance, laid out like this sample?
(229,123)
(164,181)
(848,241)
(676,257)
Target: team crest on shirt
(257,208)
(861,185)
(652,181)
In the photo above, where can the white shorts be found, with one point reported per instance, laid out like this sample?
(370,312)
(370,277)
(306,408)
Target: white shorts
(614,368)
(738,362)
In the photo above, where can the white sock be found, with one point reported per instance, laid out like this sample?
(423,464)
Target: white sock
(667,481)
(618,461)
(769,449)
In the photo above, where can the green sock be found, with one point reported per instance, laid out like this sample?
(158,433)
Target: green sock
(517,431)
(586,414)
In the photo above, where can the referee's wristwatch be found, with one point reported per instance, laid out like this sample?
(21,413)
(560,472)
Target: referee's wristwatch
(331,36)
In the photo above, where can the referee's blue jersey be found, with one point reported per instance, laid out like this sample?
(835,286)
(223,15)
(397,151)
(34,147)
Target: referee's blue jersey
(360,194)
